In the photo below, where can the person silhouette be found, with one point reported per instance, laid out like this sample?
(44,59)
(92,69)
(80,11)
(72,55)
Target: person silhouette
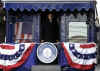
(50,29)
(2,24)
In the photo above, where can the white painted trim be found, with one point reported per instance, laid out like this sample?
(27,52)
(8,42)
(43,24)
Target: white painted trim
(46,1)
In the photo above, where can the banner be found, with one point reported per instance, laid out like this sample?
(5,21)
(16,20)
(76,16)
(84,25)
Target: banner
(31,61)
(74,56)
(14,55)
(80,56)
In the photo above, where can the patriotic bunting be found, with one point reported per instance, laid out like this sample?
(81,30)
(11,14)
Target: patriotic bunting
(23,55)
(80,56)
(31,61)
(14,55)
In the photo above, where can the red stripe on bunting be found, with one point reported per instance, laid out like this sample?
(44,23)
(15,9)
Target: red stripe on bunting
(88,45)
(19,63)
(8,47)
(75,65)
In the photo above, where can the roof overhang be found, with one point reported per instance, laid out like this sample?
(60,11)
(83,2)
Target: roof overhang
(47,4)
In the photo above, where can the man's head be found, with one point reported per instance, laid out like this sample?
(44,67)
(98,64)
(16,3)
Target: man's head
(50,16)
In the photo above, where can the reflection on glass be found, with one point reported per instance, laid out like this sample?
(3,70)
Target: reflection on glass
(77,32)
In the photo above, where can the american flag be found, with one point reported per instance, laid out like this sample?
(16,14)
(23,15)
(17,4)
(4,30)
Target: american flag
(23,32)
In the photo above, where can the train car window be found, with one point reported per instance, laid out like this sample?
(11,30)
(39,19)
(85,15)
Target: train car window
(74,28)
(22,34)
(77,32)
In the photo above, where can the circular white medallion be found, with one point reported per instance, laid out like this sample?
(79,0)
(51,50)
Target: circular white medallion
(47,52)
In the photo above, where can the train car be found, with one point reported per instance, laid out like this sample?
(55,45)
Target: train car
(48,35)
(44,12)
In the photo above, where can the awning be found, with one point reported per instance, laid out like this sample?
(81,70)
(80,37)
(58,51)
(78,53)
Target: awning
(50,6)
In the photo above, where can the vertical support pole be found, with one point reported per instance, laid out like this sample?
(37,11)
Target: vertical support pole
(36,20)
(7,28)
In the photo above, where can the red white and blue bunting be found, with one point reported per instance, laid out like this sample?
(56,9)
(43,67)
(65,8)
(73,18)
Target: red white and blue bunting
(80,56)
(14,55)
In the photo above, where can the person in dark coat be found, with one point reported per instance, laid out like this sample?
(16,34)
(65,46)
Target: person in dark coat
(50,28)
(2,24)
